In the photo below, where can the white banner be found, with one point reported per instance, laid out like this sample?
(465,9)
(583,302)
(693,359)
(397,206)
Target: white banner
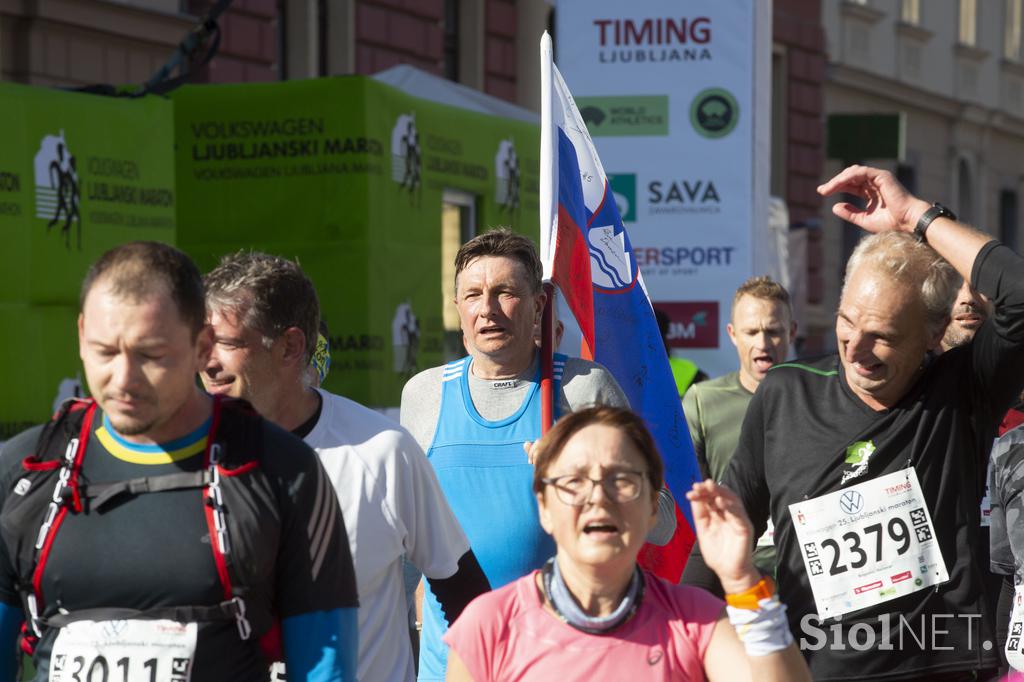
(676,97)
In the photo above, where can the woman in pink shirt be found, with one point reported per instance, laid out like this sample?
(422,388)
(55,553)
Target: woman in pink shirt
(591,613)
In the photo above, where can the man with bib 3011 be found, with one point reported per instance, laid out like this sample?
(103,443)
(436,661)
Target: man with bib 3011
(870,463)
(156,533)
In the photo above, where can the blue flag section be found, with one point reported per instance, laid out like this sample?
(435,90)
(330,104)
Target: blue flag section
(589,257)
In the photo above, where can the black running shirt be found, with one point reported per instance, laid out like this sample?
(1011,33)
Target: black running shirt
(793,447)
(153,550)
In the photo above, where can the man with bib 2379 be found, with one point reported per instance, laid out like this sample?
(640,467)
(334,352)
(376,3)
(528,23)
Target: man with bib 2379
(869,463)
(156,533)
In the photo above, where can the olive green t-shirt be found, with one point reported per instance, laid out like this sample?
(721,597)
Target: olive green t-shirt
(714,412)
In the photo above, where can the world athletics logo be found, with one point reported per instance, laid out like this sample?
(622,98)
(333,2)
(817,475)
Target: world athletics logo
(57,187)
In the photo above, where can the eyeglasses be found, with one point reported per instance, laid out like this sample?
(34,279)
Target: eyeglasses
(575,489)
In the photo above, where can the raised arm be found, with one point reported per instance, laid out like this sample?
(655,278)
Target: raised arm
(755,635)
(891,207)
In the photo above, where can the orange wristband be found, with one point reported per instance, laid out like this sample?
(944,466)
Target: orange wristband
(750,599)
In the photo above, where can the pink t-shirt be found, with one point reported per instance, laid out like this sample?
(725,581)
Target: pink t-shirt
(507,635)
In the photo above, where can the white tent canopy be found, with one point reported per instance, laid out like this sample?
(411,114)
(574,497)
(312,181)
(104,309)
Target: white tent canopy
(412,81)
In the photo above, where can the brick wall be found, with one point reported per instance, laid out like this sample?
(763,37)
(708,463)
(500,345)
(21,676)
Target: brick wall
(85,42)
(797,27)
(500,49)
(390,32)
(248,46)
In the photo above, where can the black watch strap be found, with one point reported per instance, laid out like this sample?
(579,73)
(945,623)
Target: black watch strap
(936,210)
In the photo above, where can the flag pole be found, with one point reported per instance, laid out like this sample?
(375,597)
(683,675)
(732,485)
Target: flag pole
(548,223)
(547,352)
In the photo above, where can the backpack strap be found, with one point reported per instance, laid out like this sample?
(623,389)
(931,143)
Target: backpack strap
(228,610)
(64,425)
(99,495)
(242,429)
(216,522)
(65,494)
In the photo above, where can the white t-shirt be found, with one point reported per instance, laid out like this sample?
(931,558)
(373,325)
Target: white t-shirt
(393,506)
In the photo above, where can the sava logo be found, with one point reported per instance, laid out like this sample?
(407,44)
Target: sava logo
(57,190)
(506,172)
(406,158)
(683,196)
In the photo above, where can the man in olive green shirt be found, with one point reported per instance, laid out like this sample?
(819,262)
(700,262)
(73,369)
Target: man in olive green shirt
(761,328)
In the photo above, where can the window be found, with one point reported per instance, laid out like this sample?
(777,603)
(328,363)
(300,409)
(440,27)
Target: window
(965,194)
(1008,218)
(968,22)
(907,175)
(779,122)
(458,226)
(910,11)
(450,48)
(322,65)
(1011,38)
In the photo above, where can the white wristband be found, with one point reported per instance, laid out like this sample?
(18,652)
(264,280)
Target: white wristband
(763,631)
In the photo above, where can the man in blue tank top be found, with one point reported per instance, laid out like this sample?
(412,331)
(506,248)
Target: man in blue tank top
(473,415)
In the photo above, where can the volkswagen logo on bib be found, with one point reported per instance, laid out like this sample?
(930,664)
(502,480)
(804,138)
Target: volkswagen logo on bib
(851,502)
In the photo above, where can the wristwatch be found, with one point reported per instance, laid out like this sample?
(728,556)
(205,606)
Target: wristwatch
(750,599)
(936,210)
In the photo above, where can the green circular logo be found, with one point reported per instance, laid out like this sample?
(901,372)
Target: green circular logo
(714,113)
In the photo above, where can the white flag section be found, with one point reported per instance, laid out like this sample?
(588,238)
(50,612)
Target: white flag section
(588,256)
(677,98)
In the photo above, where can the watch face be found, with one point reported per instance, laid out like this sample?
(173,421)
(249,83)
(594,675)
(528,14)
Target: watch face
(943,211)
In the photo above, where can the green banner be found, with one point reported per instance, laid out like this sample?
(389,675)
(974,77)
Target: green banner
(625,115)
(350,176)
(78,174)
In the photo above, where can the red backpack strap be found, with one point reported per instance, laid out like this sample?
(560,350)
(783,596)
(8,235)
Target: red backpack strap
(66,490)
(213,502)
(216,520)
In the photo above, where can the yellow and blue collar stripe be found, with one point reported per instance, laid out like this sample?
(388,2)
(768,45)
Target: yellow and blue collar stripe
(162,453)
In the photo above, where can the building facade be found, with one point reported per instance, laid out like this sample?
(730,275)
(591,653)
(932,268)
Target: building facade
(489,45)
(954,69)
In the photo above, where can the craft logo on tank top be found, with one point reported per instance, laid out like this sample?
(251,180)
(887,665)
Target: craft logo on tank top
(507,383)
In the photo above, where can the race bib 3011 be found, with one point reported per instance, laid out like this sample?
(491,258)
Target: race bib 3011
(124,651)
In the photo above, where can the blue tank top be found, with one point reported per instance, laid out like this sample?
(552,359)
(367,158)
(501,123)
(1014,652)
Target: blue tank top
(488,482)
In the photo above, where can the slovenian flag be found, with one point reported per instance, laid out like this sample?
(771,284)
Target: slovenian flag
(587,255)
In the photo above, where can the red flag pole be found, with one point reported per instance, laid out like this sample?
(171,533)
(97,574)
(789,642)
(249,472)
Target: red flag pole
(547,358)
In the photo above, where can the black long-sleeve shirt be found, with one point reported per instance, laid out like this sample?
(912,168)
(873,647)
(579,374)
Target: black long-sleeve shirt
(793,447)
